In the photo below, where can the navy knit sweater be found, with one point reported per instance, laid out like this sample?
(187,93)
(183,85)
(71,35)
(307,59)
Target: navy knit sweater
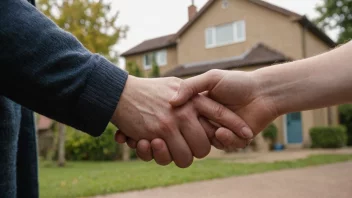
(47,70)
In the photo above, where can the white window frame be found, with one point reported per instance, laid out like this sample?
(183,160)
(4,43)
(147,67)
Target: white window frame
(236,38)
(157,57)
(146,67)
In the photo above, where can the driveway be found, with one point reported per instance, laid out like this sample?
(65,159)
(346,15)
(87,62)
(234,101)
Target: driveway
(327,181)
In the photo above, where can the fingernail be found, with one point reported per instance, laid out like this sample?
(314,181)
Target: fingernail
(246,132)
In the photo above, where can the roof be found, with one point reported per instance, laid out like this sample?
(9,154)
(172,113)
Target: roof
(152,44)
(260,54)
(170,40)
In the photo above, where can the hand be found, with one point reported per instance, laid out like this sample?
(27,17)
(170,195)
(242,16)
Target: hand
(144,112)
(236,90)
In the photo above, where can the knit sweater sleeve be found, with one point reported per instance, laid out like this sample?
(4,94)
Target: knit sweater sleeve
(48,70)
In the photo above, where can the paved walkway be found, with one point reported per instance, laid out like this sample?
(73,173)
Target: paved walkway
(286,155)
(327,181)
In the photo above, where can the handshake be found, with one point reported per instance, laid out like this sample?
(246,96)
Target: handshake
(170,119)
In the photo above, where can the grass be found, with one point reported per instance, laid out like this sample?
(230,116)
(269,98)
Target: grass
(82,179)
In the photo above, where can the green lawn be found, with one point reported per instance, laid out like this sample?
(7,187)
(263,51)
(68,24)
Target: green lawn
(79,179)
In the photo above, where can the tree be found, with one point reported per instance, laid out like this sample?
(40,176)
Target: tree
(134,69)
(155,73)
(336,14)
(61,151)
(91,21)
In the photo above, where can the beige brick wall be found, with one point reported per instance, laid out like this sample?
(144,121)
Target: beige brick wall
(262,25)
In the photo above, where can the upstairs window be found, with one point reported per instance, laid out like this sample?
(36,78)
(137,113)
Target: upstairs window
(160,57)
(225,34)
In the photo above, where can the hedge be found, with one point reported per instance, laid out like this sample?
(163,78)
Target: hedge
(328,137)
(81,146)
(270,132)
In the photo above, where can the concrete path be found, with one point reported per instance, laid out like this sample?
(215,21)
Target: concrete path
(286,155)
(327,181)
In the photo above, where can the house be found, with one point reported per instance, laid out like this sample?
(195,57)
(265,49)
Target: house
(241,35)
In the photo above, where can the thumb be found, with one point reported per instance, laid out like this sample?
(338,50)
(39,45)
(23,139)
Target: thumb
(195,85)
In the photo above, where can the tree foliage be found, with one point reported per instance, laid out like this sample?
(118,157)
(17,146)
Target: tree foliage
(336,14)
(155,72)
(92,21)
(134,69)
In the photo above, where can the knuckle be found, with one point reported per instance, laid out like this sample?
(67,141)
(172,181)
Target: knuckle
(219,111)
(151,129)
(184,114)
(165,124)
(187,88)
(214,72)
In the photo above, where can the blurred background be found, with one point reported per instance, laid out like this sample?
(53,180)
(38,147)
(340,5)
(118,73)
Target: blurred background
(183,38)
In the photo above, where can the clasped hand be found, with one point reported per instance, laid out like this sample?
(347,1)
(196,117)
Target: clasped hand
(169,119)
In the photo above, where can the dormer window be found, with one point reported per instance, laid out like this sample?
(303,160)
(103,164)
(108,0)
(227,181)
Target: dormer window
(160,57)
(225,34)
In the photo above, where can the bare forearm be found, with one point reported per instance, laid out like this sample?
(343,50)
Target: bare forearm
(311,83)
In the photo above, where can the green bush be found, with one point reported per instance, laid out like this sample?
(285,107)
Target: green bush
(328,137)
(81,146)
(345,115)
(270,132)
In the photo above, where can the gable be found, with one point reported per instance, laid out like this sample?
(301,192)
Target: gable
(302,20)
(171,40)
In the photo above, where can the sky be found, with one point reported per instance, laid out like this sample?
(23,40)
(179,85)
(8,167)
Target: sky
(153,18)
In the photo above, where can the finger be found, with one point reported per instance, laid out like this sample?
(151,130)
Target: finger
(120,137)
(220,114)
(195,136)
(208,127)
(161,153)
(229,139)
(217,144)
(144,150)
(210,130)
(192,86)
(179,149)
(131,143)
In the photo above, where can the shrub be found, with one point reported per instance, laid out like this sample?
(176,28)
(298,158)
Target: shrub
(328,137)
(345,114)
(81,146)
(270,132)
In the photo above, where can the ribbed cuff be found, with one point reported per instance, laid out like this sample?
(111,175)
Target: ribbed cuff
(100,97)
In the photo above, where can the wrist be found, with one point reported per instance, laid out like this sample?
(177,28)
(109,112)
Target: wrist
(271,88)
(125,100)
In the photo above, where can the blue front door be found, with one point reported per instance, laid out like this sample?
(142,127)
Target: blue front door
(294,128)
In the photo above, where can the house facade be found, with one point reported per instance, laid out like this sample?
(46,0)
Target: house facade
(241,35)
